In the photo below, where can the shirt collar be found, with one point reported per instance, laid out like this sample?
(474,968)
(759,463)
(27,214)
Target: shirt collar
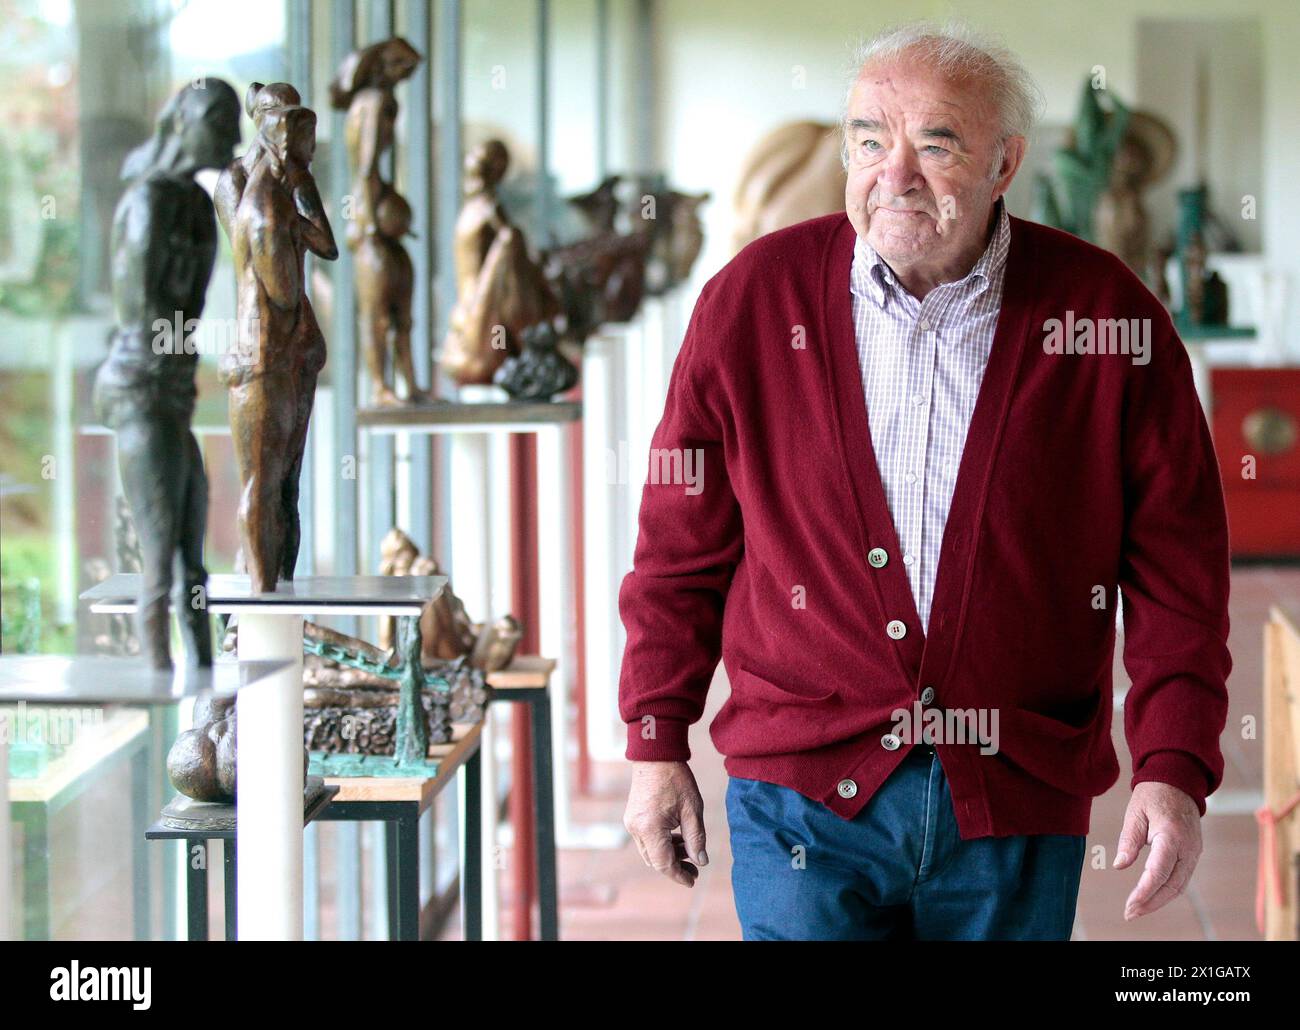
(872,277)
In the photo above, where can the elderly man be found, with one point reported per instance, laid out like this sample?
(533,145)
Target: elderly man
(926,471)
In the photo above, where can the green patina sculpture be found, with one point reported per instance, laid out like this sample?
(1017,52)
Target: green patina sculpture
(1083,166)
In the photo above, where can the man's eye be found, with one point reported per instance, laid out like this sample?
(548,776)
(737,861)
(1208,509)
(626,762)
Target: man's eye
(936,149)
(871,144)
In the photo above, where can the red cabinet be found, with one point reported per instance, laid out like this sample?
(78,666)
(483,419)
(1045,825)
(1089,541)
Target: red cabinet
(1256,415)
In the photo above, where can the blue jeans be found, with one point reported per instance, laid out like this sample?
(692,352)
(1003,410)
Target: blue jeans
(899,870)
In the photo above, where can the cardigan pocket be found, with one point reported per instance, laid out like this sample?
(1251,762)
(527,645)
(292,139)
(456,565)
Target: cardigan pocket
(1081,718)
(747,684)
(1074,756)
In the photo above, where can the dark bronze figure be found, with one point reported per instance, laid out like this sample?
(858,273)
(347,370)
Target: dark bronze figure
(540,371)
(272,212)
(164,245)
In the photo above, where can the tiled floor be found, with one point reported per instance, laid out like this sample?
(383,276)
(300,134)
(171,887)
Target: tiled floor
(611,895)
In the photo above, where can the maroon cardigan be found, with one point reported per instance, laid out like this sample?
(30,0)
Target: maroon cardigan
(1083,475)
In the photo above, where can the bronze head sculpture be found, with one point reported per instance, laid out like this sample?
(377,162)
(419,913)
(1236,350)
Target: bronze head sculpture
(164,246)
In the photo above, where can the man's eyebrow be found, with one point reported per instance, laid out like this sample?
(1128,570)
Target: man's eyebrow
(929,132)
(942,132)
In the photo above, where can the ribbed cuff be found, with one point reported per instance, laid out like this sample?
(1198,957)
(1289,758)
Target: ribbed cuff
(654,738)
(1178,769)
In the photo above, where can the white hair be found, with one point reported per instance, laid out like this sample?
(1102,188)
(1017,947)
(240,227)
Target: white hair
(955,50)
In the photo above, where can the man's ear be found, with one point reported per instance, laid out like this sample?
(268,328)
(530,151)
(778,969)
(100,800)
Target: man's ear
(1012,158)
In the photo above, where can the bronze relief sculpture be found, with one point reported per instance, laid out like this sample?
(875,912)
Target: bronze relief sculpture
(381,217)
(272,212)
(164,244)
(500,290)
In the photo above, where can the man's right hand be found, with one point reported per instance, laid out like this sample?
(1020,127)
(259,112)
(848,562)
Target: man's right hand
(665,798)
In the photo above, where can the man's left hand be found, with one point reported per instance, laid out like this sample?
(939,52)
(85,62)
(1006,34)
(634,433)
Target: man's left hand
(1168,819)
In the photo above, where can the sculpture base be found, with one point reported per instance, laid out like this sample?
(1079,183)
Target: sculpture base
(182,813)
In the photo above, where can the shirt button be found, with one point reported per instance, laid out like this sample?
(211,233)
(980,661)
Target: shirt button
(910,477)
(847,788)
(908,559)
(917,399)
(927,695)
(889,742)
(925,325)
(877,557)
(896,629)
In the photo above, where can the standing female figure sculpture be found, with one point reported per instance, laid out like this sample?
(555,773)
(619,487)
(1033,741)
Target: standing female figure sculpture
(273,215)
(381,217)
(164,245)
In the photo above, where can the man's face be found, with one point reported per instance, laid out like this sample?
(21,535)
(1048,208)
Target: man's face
(920,150)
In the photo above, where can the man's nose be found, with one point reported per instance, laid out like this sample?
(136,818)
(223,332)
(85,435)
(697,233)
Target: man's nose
(902,171)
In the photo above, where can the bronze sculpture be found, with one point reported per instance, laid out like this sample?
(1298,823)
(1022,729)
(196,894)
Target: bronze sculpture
(500,290)
(381,217)
(601,277)
(793,172)
(202,763)
(164,245)
(272,213)
(1145,155)
(446,630)
(670,219)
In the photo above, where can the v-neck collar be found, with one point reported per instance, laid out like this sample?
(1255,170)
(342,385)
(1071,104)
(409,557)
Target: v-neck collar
(876,525)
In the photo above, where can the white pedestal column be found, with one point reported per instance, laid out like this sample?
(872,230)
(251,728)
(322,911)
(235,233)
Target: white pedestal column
(605,467)
(270,781)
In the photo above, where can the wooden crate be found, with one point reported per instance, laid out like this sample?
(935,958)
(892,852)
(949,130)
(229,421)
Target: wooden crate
(1281,777)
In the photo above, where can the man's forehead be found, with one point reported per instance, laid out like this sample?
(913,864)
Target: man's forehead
(944,91)
(921,89)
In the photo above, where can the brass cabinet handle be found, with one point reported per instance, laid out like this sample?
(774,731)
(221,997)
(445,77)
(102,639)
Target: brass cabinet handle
(1270,430)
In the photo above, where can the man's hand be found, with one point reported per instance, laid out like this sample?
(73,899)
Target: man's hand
(1168,819)
(663,798)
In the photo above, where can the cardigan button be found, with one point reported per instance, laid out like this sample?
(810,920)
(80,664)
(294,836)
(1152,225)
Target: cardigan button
(896,629)
(927,695)
(847,789)
(877,557)
(890,742)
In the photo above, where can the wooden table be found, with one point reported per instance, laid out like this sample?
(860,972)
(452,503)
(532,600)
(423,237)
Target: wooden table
(399,802)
